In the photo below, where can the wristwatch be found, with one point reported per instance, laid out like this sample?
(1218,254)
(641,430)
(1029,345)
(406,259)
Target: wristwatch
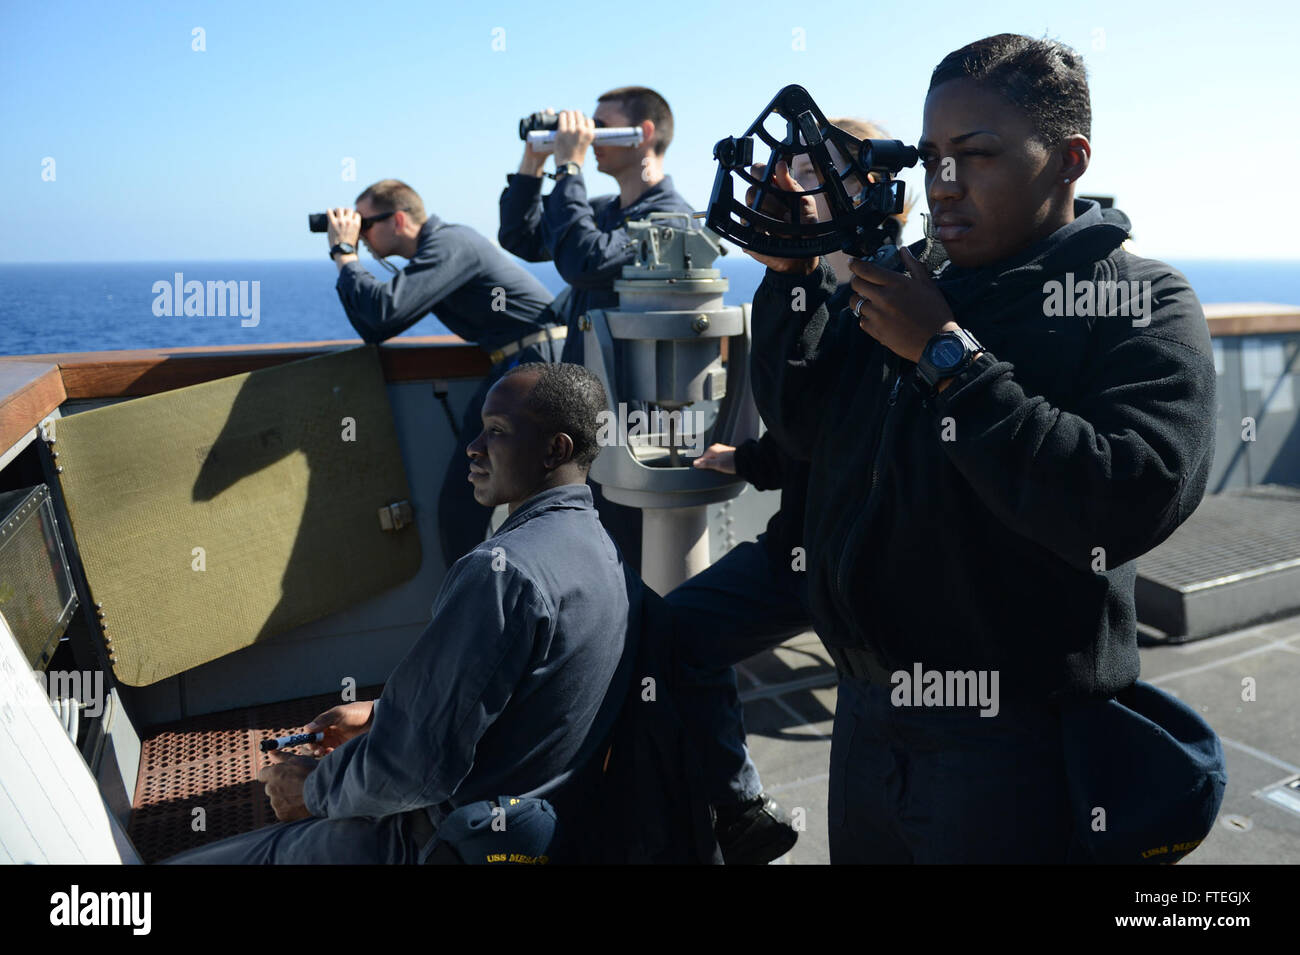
(347,248)
(944,355)
(566,169)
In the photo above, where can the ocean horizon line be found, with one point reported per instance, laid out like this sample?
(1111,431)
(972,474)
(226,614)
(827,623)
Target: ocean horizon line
(1254,260)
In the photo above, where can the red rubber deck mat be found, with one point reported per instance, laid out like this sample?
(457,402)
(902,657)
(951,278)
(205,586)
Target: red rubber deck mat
(210,763)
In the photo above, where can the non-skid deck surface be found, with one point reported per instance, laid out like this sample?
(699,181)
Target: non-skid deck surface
(789,696)
(210,763)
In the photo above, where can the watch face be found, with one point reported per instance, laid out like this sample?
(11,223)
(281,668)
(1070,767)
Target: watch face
(947,353)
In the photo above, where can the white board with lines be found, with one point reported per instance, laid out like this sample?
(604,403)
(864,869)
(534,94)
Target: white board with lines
(51,810)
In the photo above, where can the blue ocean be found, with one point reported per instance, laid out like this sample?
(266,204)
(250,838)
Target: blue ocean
(97,306)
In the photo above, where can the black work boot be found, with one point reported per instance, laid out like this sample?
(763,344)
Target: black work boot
(753,832)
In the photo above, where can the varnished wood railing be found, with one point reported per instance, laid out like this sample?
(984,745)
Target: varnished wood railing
(32,386)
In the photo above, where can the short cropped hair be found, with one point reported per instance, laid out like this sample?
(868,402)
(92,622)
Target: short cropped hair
(641,103)
(1043,78)
(567,398)
(393,195)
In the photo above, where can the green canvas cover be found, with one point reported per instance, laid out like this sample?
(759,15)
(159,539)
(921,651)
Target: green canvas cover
(214,516)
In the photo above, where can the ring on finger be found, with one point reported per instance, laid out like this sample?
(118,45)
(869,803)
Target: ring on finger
(857,309)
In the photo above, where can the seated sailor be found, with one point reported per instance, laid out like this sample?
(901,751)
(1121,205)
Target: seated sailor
(468,284)
(508,689)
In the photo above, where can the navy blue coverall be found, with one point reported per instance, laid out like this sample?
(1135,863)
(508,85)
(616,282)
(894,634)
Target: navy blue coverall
(589,245)
(506,692)
(752,599)
(461,278)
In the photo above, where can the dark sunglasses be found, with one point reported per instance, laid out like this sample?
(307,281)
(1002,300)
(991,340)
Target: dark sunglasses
(367,223)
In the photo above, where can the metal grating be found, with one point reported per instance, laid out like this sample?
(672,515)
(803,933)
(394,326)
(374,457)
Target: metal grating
(1235,562)
(211,762)
(1234,533)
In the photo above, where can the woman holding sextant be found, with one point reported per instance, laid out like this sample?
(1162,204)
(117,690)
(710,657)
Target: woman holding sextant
(982,474)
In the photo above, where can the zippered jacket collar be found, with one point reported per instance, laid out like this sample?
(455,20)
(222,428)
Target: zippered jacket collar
(1094,234)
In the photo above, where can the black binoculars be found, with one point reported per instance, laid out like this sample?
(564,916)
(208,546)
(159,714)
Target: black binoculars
(319,221)
(538,121)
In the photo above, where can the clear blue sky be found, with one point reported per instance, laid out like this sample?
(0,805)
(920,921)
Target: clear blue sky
(164,153)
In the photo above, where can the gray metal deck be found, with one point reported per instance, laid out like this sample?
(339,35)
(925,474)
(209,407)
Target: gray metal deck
(789,696)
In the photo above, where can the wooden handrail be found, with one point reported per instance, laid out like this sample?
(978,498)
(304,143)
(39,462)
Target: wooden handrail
(148,371)
(32,386)
(29,390)
(1234,319)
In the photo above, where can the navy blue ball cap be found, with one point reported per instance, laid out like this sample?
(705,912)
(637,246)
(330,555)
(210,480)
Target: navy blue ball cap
(509,830)
(1146,777)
